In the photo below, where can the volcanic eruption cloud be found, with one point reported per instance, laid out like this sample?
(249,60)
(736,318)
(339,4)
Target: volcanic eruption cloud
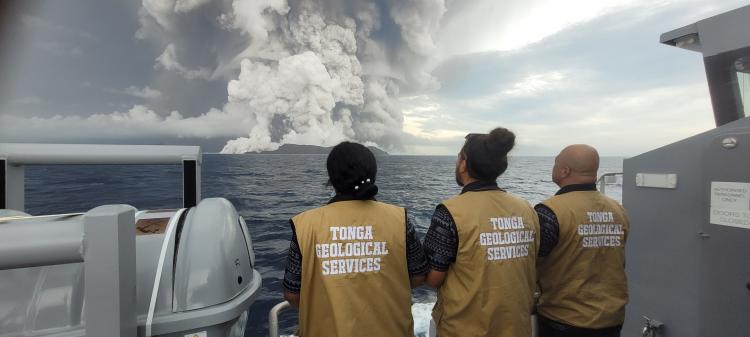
(310,72)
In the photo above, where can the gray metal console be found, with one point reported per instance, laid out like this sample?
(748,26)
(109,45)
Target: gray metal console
(688,251)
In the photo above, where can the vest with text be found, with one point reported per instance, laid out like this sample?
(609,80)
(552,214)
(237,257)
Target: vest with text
(582,281)
(355,279)
(489,289)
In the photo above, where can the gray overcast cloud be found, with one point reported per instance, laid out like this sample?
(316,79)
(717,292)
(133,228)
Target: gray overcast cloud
(410,76)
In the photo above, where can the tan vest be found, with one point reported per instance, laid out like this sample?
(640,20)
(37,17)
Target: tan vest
(583,279)
(489,290)
(355,280)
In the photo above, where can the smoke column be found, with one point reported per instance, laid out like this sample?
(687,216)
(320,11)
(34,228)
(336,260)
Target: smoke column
(303,71)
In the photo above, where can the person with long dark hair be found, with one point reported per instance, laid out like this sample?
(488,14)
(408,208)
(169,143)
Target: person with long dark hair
(482,246)
(352,263)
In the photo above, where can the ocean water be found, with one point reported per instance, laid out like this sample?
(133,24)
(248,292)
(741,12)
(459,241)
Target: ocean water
(269,189)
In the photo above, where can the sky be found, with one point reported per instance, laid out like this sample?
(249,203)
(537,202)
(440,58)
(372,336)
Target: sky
(412,77)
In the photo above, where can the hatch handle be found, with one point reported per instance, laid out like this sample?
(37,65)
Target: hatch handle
(651,327)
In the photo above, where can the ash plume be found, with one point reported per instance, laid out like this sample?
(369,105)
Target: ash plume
(302,71)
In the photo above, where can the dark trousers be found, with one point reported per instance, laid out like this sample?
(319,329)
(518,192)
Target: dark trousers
(550,328)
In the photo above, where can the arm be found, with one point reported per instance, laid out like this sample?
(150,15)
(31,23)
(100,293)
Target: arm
(415,259)
(549,228)
(435,278)
(292,298)
(441,246)
(416,281)
(293,273)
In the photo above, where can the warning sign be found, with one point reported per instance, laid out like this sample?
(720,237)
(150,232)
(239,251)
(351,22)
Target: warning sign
(730,204)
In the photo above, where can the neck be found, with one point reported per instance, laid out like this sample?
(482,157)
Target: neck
(577,181)
(468,180)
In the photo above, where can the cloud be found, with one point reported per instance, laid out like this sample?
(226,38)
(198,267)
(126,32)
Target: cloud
(188,5)
(618,123)
(419,111)
(27,100)
(58,49)
(529,86)
(137,122)
(299,92)
(367,52)
(514,24)
(145,92)
(52,28)
(412,76)
(168,61)
(609,122)
(419,20)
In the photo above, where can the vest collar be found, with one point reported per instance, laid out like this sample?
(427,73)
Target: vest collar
(576,188)
(344,197)
(479,186)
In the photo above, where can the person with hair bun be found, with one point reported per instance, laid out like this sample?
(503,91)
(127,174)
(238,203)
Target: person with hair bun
(482,246)
(352,263)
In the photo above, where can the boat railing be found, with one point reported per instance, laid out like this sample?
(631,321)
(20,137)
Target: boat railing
(103,240)
(13,158)
(608,179)
(273,318)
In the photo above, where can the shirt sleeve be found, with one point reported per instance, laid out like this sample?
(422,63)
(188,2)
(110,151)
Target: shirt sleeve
(549,228)
(415,259)
(293,273)
(441,241)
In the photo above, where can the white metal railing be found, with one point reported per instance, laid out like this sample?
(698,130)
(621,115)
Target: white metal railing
(273,318)
(103,240)
(14,156)
(93,154)
(607,178)
(24,244)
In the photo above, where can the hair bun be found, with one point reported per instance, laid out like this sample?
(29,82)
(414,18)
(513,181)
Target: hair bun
(366,191)
(501,141)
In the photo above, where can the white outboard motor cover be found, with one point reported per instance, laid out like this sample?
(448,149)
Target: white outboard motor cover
(213,263)
(203,256)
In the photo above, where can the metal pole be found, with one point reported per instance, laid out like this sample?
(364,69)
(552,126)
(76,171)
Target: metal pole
(109,271)
(14,186)
(3,175)
(273,318)
(91,154)
(191,183)
(29,244)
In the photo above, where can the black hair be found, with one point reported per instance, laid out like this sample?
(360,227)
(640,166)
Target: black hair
(487,154)
(352,169)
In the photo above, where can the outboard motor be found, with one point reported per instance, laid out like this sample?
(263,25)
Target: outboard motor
(117,271)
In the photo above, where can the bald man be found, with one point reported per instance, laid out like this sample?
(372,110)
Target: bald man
(581,266)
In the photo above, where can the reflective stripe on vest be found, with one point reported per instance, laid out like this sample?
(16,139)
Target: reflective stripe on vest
(489,289)
(583,279)
(355,280)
